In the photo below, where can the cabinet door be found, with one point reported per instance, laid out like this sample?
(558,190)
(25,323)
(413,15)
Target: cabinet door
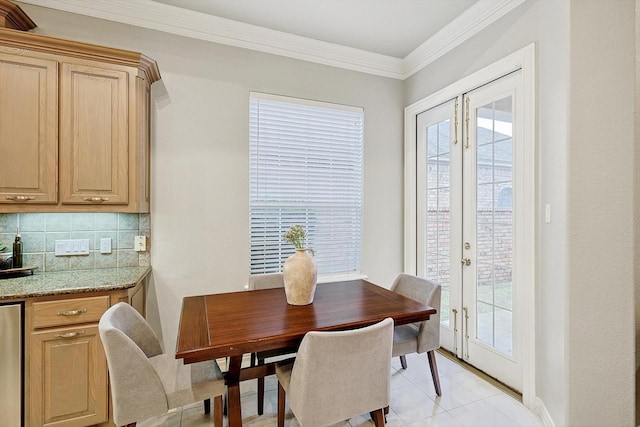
(28,129)
(94,132)
(68,375)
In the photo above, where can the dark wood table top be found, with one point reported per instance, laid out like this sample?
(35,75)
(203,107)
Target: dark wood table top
(235,323)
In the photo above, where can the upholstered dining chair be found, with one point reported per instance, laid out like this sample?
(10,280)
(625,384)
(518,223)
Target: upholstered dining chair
(267,281)
(423,336)
(338,375)
(145,382)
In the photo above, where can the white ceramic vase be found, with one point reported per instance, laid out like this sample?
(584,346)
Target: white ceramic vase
(300,274)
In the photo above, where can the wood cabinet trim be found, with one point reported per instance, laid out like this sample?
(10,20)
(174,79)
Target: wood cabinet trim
(74,49)
(14,17)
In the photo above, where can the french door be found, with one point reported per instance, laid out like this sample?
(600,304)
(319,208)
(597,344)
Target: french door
(467,222)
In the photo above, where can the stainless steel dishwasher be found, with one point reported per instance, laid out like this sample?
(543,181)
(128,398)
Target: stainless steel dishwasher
(11,364)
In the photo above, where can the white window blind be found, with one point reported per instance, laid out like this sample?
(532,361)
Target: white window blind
(305,168)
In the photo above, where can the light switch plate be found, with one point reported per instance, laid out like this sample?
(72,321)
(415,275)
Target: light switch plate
(105,245)
(71,247)
(547,214)
(140,243)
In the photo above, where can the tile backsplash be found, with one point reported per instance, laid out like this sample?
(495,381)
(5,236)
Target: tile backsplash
(39,231)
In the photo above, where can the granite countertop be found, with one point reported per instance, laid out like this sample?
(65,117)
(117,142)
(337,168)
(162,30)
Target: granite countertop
(70,282)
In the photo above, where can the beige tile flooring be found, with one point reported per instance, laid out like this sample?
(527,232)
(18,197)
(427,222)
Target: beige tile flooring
(467,401)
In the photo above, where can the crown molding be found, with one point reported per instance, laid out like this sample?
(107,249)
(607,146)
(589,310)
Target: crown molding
(167,18)
(479,16)
(57,46)
(12,16)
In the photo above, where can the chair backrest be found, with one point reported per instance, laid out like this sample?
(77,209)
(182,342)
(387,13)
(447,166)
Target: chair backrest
(266,281)
(128,342)
(426,292)
(338,375)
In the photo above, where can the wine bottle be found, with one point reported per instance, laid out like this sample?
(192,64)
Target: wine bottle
(17,251)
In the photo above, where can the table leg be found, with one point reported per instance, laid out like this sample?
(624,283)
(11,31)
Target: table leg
(233,392)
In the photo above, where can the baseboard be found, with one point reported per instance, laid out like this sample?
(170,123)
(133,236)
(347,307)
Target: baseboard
(544,415)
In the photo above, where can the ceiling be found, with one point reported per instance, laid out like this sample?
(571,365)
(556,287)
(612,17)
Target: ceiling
(387,27)
(390,38)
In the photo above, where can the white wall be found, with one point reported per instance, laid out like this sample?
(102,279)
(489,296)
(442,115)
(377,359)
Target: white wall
(600,258)
(199,215)
(584,360)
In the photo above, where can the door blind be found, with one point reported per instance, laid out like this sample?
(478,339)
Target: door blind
(306,161)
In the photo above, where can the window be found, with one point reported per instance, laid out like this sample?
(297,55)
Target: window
(305,167)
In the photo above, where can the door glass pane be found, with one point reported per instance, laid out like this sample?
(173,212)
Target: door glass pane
(438,210)
(494,229)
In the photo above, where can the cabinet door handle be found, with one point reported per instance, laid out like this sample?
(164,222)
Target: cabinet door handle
(20,198)
(96,199)
(70,334)
(72,312)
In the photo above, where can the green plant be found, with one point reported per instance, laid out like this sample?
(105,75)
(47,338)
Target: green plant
(295,236)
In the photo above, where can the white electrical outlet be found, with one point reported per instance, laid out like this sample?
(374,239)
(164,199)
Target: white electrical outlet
(140,243)
(105,245)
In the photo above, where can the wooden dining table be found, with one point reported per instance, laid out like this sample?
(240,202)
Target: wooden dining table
(237,323)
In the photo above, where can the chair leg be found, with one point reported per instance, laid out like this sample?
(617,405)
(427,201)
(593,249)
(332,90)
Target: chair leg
(260,396)
(403,361)
(207,406)
(378,417)
(431,355)
(260,392)
(217,411)
(281,403)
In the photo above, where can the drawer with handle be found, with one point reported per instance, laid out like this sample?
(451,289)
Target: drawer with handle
(69,311)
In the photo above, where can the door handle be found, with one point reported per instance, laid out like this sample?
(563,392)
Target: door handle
(455,331)
(466,332)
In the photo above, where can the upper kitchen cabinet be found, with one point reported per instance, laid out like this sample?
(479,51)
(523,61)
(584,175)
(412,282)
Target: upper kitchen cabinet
(94,134)
(28,129)
(74,125)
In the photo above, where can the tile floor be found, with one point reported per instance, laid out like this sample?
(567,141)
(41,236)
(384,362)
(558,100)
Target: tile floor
(466,401)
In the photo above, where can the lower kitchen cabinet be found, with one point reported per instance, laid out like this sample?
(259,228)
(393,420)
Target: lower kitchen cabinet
(66,375)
